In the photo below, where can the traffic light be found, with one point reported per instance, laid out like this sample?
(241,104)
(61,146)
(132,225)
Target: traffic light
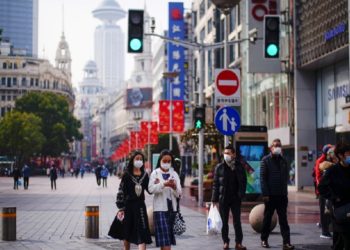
(135,31)
(199,117)
(271,36)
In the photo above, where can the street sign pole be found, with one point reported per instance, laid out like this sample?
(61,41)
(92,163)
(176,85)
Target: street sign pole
(201,132)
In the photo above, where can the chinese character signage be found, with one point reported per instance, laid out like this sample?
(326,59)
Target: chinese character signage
(176,55)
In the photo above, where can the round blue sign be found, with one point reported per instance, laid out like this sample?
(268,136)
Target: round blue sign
(227,121)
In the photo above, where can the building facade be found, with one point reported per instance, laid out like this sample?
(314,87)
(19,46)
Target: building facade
(109,45)
(321,79)
(20,75)
(19,22)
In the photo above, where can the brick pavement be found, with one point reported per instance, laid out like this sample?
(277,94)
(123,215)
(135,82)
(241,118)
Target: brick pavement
(55,219)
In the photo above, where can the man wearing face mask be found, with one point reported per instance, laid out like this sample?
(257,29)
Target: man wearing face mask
(229,187)
(274,175)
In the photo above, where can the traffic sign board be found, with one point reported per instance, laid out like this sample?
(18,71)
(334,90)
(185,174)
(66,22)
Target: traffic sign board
(227,121)
(227,87)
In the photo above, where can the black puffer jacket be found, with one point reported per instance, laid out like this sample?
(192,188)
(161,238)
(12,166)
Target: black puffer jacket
(221,181)
(274,175)
(335,185)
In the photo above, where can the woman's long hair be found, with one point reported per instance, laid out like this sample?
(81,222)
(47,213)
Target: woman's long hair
(164,153)
(129,168)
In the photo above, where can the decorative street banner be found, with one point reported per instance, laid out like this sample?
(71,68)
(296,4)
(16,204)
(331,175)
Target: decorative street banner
(151,129)
(164,113)
(178,116)
(176,55)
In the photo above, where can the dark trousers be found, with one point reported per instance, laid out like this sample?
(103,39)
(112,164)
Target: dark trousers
(278,203)
(343,241)
(235,208)
(53,183)
(325,219)
(25,182)
(15,183)
(104,181)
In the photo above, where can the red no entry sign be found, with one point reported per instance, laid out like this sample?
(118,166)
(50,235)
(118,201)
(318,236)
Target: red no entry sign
(227,82)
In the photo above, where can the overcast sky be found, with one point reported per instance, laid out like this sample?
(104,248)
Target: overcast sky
(79,27)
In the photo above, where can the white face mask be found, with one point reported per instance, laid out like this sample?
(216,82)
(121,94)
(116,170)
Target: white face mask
(227,158)
(138,164)
(165,166)
(277,151)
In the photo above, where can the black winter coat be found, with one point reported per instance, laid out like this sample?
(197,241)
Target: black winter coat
(274,175)
(221,181)
(335,185)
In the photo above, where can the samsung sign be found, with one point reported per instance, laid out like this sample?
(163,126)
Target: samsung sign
(338,92)
(330,34)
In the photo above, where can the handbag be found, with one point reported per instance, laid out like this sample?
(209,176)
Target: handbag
(116,230)
(179,225)
(342,213)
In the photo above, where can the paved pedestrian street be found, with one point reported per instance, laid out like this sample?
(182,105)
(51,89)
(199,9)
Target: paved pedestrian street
(54,219)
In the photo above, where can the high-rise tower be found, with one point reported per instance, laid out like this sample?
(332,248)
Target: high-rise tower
(19,21)
(109,45)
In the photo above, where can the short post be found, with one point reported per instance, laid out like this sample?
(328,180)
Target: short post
(92,222)
(8,220)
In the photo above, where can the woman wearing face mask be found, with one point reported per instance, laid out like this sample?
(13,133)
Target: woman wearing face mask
(335,185)
(131,204)
(165,185)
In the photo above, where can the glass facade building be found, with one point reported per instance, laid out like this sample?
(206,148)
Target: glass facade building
(19,21)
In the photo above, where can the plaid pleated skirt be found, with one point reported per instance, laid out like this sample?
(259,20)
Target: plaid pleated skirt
(163,229)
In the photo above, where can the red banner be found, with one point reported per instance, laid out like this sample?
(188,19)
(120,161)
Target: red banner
(164,113)
(152,130)
(178,116)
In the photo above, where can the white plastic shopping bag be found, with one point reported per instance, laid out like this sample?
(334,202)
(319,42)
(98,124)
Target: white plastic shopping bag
(214,222)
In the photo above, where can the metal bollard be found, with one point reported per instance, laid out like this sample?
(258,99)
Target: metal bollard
(8,220)
(92,222)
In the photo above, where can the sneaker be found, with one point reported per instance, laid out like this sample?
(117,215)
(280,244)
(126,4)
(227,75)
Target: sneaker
(326,236)
(265,244)
(288,246)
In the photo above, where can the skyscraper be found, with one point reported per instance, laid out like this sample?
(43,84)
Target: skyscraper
(109,45)
(19,21)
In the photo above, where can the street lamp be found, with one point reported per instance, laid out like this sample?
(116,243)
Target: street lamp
(171,76)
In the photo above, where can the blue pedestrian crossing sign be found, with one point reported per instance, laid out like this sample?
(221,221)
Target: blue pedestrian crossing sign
(227,121)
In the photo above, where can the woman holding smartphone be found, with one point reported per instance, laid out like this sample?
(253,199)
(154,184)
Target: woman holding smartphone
(131,204)
(165,185)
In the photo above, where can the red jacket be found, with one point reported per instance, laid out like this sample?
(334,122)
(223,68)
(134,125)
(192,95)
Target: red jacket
(317,171)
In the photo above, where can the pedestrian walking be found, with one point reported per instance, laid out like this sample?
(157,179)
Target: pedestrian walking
(229,188)
(325,204)
(16,175)
(26,175)
(53,177)
(104,175)
(165,185)
(131,204)
(98,174)
(317,178)
(82,171)
(274,176)
(335,185)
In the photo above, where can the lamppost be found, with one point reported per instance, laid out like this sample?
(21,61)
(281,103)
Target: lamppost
(171,76)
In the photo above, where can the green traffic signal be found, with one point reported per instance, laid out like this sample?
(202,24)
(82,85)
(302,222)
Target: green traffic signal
(272,50)
(199,124)
(135,44)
